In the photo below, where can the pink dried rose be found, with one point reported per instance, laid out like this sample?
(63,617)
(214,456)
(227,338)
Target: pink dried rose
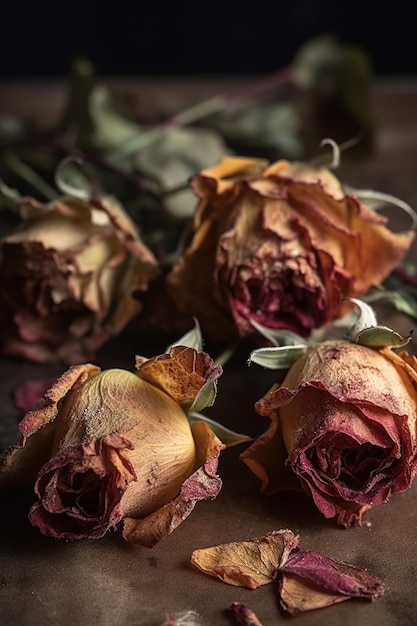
(109,448)
(343,429)
(69,273)
(278,245)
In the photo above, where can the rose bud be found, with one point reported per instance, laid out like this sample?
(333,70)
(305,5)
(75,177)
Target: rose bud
(104,448)
(278,246)
(343,429)
(68,276)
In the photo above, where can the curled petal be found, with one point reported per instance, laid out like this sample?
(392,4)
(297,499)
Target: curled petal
(247,563)
(20,463)
(181,374)
(309,580)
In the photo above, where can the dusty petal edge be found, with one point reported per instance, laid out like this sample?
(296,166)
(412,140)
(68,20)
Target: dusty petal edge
(203,484)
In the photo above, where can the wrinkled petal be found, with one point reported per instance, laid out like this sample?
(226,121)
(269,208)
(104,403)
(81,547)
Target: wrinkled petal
(247,563)
(20,463)
(201,485)
(181,373)
(80,490)
(309,580)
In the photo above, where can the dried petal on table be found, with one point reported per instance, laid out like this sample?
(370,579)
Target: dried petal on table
(309,580)
(247,563)
(244,614)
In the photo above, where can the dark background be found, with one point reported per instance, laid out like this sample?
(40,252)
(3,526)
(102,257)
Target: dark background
(40,39)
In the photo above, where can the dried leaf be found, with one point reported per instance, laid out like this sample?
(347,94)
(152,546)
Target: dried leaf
(247,563)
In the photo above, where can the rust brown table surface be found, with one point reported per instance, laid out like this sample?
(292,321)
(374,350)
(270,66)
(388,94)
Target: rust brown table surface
(109,582)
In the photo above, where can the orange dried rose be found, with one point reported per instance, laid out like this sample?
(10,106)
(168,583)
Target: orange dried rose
(105,448)
(343,429)
(68,277)
(279,245)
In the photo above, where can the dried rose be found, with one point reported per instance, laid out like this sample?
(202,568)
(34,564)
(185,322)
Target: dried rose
(343,428)
(278,245)
(113,446)
(68,277)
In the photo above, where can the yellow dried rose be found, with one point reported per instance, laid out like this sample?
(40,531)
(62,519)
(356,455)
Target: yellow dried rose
(112,447)
(69,273)
(278,245)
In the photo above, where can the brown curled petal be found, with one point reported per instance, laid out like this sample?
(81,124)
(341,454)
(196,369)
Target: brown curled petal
(203,484)
(247,563)
(181,373)
(20,463)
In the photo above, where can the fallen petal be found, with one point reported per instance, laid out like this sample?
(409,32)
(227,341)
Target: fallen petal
(296,596)
(311,580)
(247,563)
(244,614)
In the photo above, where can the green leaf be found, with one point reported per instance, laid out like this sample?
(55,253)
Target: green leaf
(205,397)
(229,437)
(382,337)
(173,157)
(276,358)
(366,319)
(192,339)
(278,337)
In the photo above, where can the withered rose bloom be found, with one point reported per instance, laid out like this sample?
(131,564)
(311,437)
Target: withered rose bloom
(109,448)
(278,244)
(343,429)
(68,275)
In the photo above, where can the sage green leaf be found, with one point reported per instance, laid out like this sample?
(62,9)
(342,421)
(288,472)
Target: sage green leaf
(271,126)
(9,196)
(276,336)
(173,157)
(366,319)
(71,180)
(205,397)
(111,127)
(382,337)
(277,357)
(192,339)
(229,437)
